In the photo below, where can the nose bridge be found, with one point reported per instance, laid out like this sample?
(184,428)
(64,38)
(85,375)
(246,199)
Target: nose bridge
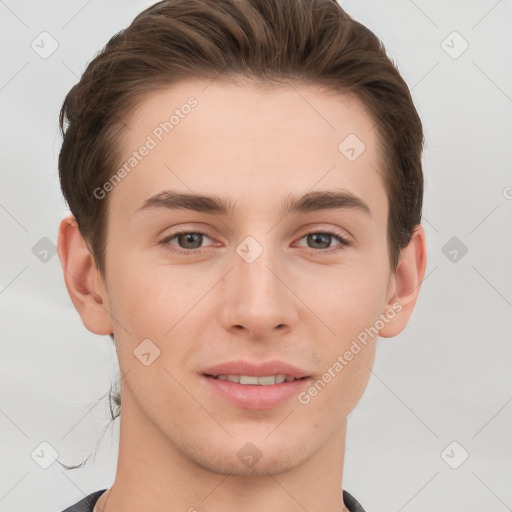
(253,268)
(256,296)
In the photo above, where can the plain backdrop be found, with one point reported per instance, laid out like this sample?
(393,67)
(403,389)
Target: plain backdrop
(432,431)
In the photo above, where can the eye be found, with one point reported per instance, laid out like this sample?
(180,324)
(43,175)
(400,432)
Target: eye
(322,240)
(189,242)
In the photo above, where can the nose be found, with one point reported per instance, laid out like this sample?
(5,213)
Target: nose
(257,296)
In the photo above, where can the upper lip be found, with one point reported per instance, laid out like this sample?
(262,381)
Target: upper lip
(241,367)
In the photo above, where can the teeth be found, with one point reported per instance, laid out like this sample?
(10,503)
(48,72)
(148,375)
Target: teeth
(271,379)
(244,379)
(256,381)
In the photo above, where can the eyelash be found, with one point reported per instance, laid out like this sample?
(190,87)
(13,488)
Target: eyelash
(344,242)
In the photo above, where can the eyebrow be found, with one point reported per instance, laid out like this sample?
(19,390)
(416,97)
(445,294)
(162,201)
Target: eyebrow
(310,202)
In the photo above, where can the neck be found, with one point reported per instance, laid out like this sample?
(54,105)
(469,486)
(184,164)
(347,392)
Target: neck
(154,473)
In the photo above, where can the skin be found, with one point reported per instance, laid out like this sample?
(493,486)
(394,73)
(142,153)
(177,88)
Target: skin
(254,147)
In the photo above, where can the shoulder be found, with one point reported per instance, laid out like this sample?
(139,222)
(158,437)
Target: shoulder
(86,504)
(351,503)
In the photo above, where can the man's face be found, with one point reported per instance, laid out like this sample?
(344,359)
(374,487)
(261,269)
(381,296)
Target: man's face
(260,284)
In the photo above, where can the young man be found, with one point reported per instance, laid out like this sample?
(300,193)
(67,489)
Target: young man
(245,184)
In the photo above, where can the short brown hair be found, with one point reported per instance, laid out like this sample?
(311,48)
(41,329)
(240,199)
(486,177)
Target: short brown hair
(310,41)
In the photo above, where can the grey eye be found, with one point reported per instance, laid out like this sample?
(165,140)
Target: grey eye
(190,240)
(324,239)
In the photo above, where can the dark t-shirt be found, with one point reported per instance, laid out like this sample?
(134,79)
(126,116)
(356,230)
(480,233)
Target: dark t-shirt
(87,504)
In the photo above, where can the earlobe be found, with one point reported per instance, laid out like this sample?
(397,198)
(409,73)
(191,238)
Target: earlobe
(82,278)
(408,278)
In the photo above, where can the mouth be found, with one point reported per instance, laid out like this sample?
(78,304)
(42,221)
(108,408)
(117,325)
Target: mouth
(253,380)
(254,385)
(254,392)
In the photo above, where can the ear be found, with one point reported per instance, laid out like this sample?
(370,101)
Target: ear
(83,281)
(406,283)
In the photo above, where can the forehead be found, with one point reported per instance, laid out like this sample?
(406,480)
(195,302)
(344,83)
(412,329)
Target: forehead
(250,144)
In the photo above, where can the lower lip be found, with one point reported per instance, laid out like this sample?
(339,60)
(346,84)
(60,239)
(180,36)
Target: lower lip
(255,397)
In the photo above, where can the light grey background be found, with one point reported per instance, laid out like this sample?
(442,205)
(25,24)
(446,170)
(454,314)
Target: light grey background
(446,378)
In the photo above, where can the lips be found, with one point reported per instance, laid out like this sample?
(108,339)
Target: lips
(254,386)
(240,368)
(256,381)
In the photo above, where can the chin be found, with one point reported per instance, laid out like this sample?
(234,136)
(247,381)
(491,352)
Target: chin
(251,463)
(258,455)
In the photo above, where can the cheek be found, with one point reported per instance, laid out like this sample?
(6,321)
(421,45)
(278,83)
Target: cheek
(146,294)
(345,363)
(340,387)
(347,298)
(349,304)
(156,302)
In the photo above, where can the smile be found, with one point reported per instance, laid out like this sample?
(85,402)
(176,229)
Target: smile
(254,380)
